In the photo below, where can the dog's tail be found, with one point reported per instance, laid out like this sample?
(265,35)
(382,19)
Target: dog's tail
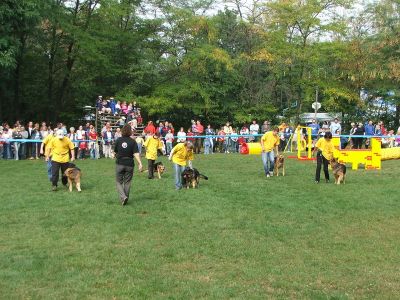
(203,176)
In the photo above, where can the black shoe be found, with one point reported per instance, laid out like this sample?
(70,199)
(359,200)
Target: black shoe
(150,177)
(124,202)
(327,180)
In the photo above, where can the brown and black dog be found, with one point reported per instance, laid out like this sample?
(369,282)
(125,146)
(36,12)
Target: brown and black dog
(339,171)
(73,174)
(191,177)
(279,163)
(159,168)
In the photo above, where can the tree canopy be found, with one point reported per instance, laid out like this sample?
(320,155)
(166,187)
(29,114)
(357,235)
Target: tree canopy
(236,60)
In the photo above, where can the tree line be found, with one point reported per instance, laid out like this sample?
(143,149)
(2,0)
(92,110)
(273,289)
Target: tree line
(233,60)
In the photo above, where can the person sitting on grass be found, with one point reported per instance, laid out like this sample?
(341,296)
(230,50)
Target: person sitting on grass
(182,156)
(152,144)
(324,155)
(269,141)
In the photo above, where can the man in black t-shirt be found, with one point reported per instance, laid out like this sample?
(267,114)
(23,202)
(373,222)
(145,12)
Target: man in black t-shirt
(125,149)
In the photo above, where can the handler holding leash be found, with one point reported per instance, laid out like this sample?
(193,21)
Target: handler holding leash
(269,141)
(60,146)
(181,155)
(125,150)
(324,155)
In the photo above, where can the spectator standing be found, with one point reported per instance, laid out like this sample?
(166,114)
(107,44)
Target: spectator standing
(228,141)
(189,136)
(150,129)
(181,135)
(369,131)
(254,128)
(17,135)
(169,139)
(221,140)
(29,146)
(244,131)
(265,127)
(315,128)
(36,136)
(139,141)
(358,141)
(74,139)
(152,144)
(335,127)
(209,141)
(7,135)
(81,137)
(269,143)
(234,140)
(93,143)
(108,139)
(199,140)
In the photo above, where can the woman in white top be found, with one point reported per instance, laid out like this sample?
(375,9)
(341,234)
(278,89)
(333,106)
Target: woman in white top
(181,135)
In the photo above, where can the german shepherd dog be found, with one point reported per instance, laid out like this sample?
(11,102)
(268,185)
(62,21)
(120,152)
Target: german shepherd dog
(339,170)
(279,163)
(73,174)
(159,168)
(191,177)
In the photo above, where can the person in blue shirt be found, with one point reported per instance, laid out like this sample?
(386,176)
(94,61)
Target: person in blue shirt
(369,130)
(314,129)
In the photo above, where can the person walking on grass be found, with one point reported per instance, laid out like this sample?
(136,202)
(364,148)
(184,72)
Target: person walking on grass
(152,145)
(125,150)
(324,155)
(182,156)
(269,141)
(60,147)
(44,146)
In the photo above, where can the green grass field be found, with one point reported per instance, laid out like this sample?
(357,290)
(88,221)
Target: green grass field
(240,235)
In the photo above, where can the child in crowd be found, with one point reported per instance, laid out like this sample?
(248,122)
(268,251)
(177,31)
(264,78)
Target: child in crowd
(169,139)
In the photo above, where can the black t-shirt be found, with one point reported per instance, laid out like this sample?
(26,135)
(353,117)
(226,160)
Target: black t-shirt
(125,147)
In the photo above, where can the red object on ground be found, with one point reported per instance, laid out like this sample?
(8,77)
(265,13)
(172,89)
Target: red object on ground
(244,149)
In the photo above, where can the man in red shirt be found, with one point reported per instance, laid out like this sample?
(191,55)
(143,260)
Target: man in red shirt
(198,141)
(150,128)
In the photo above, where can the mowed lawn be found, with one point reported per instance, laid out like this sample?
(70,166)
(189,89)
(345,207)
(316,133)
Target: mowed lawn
(240,235)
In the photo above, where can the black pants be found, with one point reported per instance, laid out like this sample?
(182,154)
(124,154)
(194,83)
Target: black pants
(321,160)
(357,143)
(55,172)
(150,167)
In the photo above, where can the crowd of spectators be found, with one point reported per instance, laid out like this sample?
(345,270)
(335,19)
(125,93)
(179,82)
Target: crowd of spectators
(206,139)
(127,112)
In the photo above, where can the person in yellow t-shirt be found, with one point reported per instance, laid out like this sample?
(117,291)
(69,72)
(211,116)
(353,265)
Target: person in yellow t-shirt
(269,142)
(182,156)
(152,145)
(324,155)
(60,147)
(44,147)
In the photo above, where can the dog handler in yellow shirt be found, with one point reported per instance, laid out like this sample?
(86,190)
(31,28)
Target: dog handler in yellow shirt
(324,155)
(60,147)
(269,141)
(152,145)
(182,156)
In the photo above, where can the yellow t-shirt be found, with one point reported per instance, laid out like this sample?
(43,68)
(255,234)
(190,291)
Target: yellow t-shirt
(46,142)
(152,145)
(326,147)
(180,154)
(60,149)
(270,141)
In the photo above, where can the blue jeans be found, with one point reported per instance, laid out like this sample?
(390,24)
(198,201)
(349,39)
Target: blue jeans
(49,174)
(178,175)
(17,150)
(7,151)
(208,147)
(268,161)
(169,148)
